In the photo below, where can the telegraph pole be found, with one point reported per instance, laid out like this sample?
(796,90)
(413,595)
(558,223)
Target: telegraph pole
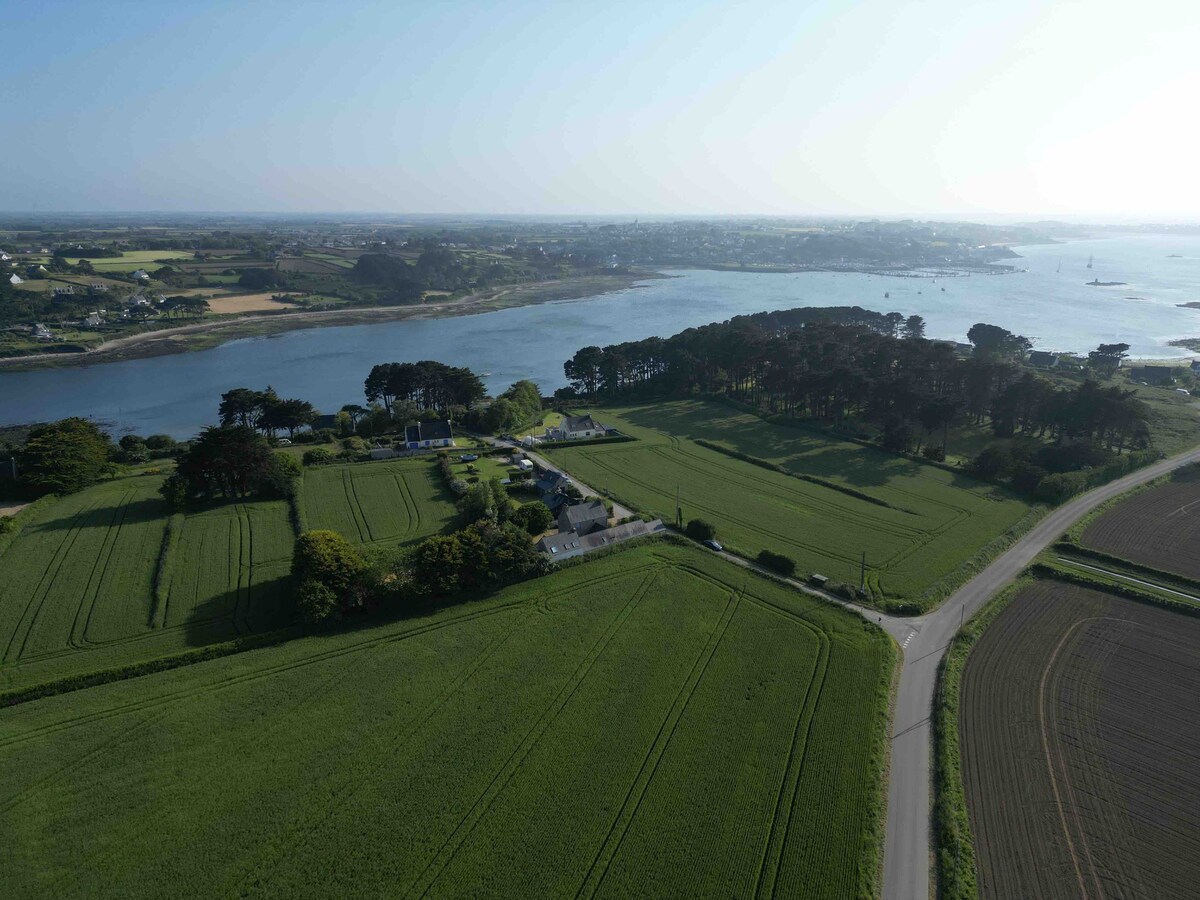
(678,509)
(862,578)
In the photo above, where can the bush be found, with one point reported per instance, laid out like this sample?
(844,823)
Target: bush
(356,444)
(777,562)
(7,524)
(175,491)
(1057,488)
(282,475)
(458,487)
(843,590)
(994,461)
(700,530)
(329,559)
(934,453)
(317,603)
(533,517)
(1026,477)
(318,456)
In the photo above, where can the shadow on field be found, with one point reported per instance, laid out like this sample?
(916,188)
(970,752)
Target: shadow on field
(265,606)
(145,510)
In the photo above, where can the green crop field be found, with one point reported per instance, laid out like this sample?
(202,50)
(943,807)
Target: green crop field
(78,591)
(132,260)
(396,502)
(655,722)
(925,521)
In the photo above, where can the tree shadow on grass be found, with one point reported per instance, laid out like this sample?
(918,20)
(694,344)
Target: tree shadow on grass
(139,511)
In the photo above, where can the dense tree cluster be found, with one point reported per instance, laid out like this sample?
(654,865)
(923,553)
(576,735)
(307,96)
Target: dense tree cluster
(424,385)
(230,462)
(65,456)
(265,411)
(846,365)
(517,406)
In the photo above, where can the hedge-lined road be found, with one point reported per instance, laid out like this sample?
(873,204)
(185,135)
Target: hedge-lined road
(907,847)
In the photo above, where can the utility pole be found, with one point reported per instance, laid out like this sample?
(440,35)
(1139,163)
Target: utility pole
(862,578)
(678,509)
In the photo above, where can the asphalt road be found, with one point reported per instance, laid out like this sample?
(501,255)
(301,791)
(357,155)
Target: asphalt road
(907,846)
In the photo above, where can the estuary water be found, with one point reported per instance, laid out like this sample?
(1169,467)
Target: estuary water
(1049,302)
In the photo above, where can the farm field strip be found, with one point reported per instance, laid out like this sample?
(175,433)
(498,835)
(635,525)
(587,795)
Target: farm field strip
(936,520)
(79,579)
(1079,732)
(1159,527)
(673,708)
(377,502)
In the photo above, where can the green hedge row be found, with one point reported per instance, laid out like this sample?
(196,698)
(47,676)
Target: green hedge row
(585,442)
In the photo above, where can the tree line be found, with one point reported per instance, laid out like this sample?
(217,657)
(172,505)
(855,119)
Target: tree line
(851,367)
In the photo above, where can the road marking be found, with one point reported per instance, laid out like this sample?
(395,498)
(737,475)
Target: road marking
(911,635)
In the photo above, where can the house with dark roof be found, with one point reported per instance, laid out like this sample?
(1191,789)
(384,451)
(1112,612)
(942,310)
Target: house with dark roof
(583,518)
(575,428)
(1042,359)
(1153,374)
(550,482)
(421,435)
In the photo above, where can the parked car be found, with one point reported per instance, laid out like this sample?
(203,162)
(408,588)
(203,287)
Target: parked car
(713,545)
(284,442)
(469,457)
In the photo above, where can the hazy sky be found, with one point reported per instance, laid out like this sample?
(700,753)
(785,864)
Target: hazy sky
(946,106)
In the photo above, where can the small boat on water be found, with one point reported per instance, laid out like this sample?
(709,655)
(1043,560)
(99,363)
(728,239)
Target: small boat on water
(886,295)
(485,375)
(1091,259)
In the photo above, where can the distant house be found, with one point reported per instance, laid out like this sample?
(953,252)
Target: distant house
(583,518)
(564,546)
(1042,359)
(1157,375)
(60,290)
(41,332)
(141,275)
(575,428)
(15,279)
(4,257)
(93,319)
(1196,366)
(97,286)
(428,434)
(1068,362)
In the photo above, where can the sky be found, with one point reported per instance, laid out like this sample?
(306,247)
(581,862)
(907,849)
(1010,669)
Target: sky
(858,107)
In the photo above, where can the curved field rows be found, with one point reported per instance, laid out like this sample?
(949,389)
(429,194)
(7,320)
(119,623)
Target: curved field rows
(400,501)
(657,721)
(1159,527)
(78,586)
(933,520)
(1079,732)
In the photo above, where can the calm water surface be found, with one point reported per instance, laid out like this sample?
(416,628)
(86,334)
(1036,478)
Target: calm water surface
(179,394)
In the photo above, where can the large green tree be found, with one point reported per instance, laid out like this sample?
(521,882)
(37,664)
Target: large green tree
(65,456)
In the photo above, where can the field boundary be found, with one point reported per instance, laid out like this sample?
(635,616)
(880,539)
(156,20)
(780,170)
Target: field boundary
(954,844)
(21,519)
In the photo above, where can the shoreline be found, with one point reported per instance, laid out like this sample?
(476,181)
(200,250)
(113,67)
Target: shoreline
(207,335)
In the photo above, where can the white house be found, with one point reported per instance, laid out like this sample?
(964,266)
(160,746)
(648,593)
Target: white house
(93,319)
(141,275)
(15,279)
(428,434)
(575,428)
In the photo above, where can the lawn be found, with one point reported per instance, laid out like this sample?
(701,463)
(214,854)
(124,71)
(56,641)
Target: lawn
(79,586)
(655,722)
(916,523)
(396,502)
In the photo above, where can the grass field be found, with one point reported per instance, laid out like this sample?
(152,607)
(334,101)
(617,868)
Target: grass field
(1159,527)
(925,521)
(132,260)
(656,722)
(1079,732)
(78,591)
(401,501)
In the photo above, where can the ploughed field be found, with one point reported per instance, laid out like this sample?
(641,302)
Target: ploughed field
(399,501)
(1080,737)
(916,523)
(654,722)
(1159,527)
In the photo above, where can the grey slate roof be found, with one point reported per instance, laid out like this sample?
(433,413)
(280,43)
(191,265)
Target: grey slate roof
(580,423)
(585,512)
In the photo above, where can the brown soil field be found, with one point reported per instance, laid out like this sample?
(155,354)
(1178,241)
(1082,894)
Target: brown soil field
(1159,527)
(243,303)
(1080,737)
